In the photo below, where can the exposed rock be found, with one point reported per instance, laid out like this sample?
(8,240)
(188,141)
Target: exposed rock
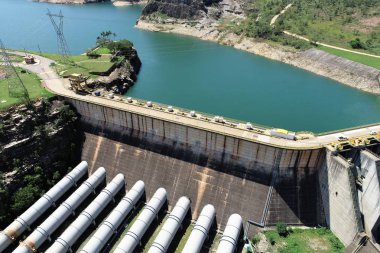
(121,78)
(192,9)
(183,9)
(43,138)
(120,3)
(70,1)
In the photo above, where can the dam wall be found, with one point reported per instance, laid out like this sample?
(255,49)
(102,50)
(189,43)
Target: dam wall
(339,197)
(231,173)
(369,194)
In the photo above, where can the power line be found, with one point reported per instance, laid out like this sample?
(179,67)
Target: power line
(16,87)
(63,48)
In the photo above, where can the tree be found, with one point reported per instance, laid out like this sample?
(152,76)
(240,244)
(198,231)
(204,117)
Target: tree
(357,44)
(121,47)
(105,38)
(24,197)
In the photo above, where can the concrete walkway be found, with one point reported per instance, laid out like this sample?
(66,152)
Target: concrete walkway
(330,46)
(60,86)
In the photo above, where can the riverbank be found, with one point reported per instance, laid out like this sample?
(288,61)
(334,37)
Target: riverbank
(316,61)
(122,3)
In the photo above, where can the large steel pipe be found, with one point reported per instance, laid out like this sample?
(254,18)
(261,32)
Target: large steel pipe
(25,220)
(44,231)
(67,239)
(171,226)
(139,227)
(230,237)
(113,221)
(200,230)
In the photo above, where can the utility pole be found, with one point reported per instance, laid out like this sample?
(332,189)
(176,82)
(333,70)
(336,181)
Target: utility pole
(63,48)
(16,87)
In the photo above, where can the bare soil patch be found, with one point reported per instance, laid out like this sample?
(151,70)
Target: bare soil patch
(371,22)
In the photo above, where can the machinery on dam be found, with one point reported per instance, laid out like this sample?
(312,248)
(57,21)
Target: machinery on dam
(83,236)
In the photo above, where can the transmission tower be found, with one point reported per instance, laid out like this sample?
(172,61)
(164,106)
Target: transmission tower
(16,87)
(63,49)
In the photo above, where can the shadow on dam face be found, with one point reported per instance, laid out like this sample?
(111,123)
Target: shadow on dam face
(206,177)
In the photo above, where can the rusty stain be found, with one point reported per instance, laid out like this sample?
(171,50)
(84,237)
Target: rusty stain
(96,152)
(201,190)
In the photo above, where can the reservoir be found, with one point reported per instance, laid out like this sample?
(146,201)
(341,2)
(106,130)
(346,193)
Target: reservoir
(198,75)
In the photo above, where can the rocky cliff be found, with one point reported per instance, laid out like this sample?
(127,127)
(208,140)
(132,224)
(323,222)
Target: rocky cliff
(122,76)
(70,1)
(183,9)
(200,10)
(38,145)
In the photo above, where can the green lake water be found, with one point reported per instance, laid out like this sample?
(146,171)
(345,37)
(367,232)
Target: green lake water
(198,75)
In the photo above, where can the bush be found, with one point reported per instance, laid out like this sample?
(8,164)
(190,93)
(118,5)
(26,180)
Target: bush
(281,229)
(336,244)
(357,44)
(271,239)
(256,239)
(121,47)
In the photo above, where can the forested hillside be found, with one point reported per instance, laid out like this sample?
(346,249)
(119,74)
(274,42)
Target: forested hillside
(350,24)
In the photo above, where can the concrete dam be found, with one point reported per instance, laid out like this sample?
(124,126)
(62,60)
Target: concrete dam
(300,183)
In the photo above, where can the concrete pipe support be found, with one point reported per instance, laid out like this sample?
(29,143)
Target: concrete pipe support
(25,220)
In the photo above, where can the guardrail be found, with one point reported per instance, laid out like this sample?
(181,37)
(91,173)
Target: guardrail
(260,129)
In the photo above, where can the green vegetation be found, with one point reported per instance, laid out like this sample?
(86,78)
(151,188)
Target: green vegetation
(320,240)
(104,38)
(184,238)
(81,64)
(32,84)
(42,161)
(367,60)
(344,23)
(102,50)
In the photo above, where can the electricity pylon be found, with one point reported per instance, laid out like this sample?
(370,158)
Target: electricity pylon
(16,87)
(63,48)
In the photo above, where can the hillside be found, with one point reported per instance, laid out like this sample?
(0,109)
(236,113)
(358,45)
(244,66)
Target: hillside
(349,24)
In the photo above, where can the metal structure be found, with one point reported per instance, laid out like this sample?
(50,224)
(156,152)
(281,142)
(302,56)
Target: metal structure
(68,207)
(16,87)
(231,234)
(139,227)
(171,226)
(113,221)
(63,48)
(25,220)
(200,231)
(67,239)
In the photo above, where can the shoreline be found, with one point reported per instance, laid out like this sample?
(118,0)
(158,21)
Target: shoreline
(123,3)
(319,62)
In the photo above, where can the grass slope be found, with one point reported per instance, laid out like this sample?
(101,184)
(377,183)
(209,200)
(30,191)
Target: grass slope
(319,240)
(366,60)
(83,64)
(32,84)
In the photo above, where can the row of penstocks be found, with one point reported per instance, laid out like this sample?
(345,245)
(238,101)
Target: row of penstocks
(104,232)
